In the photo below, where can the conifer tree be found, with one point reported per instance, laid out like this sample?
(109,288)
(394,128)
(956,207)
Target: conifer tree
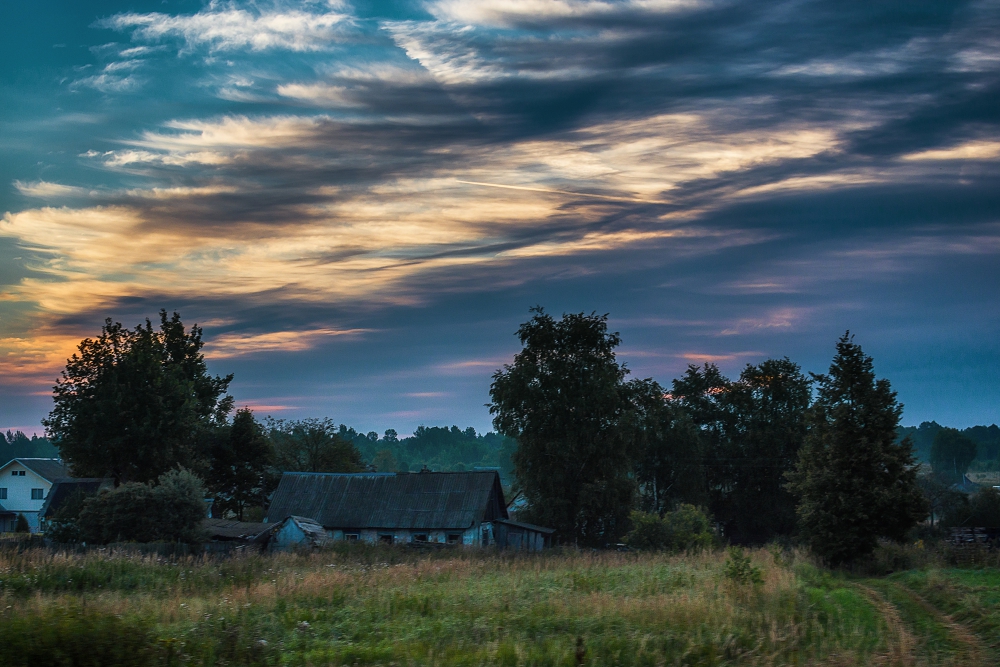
(854,482)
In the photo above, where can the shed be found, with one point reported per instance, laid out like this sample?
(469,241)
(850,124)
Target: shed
(297,532)
(521,536)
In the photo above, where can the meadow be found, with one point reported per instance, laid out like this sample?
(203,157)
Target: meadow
(389,606)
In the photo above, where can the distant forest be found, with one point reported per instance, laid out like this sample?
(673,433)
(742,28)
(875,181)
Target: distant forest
(437,447)
(444,448)
(987,439)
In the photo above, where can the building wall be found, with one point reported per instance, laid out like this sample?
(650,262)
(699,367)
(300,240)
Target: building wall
(469,536)
(19,494)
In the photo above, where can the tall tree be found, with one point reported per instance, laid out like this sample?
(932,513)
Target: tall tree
(313,445)
(565,400)
(854,482)
(242,473)
(133,404)
(670,464)
(951,454)
(764,430)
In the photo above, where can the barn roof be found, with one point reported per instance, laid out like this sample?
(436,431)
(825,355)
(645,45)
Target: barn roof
(425,500)
(67,486)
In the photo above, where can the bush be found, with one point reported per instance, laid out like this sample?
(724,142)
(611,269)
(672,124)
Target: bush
(684,529)
(21,525)
(171,511)
(74,637)
(740,570)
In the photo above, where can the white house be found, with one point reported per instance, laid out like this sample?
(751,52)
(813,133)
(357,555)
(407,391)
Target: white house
(24,484)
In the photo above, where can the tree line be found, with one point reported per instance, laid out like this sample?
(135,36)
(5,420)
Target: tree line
(772,454)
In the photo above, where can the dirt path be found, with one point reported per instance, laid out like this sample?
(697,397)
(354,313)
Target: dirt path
(900,651)
(972,651)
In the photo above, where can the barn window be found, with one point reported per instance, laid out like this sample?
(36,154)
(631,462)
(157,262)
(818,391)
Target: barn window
(420,537)
(385,538)
(351,537)
(454,538)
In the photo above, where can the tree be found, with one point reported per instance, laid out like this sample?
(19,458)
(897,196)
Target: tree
(133,404)
(312,445)
(764,429)
(170,511)
(853,481)
(670,460)
(242,473)
(565,400)
(21,524)
(951,454)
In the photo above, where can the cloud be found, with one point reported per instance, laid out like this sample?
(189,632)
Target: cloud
(971,150)
(45,189)
(226,27)
(229,345)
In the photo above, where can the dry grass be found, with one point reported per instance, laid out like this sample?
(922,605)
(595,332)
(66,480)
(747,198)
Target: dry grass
(384,606)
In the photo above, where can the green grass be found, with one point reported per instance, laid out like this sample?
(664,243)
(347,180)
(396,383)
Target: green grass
(387,606)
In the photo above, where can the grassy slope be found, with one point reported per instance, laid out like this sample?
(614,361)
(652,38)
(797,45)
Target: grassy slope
(383,607)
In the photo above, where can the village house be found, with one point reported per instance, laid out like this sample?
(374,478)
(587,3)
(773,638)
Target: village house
(24,485)
(457,508)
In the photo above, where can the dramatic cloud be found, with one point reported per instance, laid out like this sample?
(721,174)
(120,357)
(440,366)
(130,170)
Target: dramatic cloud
(352,200)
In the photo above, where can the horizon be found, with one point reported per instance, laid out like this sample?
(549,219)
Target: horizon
(360,201)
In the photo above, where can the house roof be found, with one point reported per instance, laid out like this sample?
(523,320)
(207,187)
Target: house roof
(48,469)
(65,487)
(425,500)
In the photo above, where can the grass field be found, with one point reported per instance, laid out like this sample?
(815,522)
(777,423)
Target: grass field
(390,607)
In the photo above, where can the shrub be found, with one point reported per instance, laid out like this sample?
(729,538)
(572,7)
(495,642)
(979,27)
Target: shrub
(21,525)
(740,570)
(684,529)
(171,511)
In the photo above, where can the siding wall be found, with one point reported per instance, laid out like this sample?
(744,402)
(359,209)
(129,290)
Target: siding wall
(19,495)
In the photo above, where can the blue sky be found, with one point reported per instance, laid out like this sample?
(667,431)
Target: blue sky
(359,202)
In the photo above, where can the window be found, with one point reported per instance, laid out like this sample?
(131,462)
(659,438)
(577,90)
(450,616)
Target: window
(420,537)
(37,494)
(17,473)
(351,537)
(385,538)
(3,493)
(454,538)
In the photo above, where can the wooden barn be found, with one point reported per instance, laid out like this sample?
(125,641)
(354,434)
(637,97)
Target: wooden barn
(458,508)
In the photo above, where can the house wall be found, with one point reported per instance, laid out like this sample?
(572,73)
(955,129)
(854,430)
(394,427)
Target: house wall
(287,536)
(19,495)
(469,537)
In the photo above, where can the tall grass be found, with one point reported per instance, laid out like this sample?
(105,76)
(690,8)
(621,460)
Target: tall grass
(386,606)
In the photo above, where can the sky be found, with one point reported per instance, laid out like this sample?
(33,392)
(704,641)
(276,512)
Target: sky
(359,202)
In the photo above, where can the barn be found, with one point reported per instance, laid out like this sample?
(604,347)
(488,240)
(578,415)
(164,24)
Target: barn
(457,508)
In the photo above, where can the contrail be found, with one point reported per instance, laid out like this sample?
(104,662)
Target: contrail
(564,192)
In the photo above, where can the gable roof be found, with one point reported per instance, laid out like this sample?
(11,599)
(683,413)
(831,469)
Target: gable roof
(48,469)
(67,486)
(421,501)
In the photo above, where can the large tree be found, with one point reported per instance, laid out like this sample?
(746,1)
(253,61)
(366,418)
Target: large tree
(670,459)
(565,400)
(242,471)
(312,445)
(133,404)
(765,427)
(854,482)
